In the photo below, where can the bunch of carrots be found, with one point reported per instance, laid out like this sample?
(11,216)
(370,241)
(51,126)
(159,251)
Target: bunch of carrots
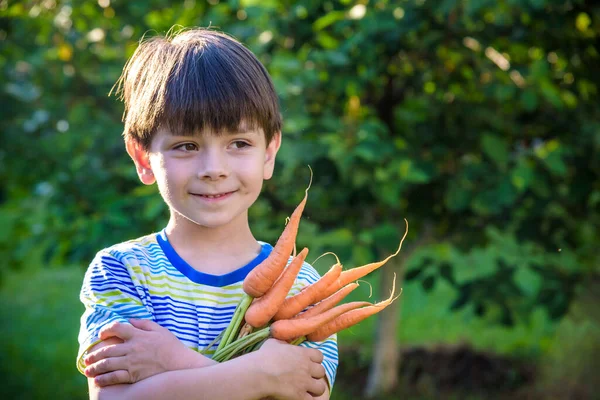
(313,314)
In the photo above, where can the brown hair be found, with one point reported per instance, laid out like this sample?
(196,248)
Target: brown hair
(195,80)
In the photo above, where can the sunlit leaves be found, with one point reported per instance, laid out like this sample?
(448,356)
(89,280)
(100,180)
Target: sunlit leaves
(467,115)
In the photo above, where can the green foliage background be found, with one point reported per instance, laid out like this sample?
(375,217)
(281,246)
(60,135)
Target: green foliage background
(476,120)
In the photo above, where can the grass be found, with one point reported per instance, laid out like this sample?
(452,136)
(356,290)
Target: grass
(40,313)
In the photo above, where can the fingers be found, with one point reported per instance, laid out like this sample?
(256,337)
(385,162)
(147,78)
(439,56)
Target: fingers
(105,366)
(113,378)
(115,350)
(317,387)
(119,329)
(317,371)
(316,356)
(144,324)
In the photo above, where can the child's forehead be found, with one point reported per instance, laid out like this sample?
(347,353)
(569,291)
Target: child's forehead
(243,128)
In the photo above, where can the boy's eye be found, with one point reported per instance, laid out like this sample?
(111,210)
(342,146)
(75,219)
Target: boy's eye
(187,147)
(240,144)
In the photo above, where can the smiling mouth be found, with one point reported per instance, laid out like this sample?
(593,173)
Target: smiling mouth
(212,196)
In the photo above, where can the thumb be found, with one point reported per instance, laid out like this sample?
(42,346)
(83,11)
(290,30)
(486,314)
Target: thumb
(144,324)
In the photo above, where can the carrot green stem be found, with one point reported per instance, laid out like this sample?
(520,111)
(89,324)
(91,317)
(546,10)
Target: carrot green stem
(297,341)
(240,345)
(236,322)
(219,336)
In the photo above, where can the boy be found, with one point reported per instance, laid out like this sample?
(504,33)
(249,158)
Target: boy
(202,122)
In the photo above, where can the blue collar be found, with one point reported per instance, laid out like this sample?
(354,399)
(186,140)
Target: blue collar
(202,277)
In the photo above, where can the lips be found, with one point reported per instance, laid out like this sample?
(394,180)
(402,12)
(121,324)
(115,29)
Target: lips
(212,196)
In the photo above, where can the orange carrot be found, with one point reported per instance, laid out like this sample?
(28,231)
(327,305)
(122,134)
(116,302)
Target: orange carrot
(295,304)
(349,319)
(288,329)
(262,309)
(358,272)
(261,278)
(329,302)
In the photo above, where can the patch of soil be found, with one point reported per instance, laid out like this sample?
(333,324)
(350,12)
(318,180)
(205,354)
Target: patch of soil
(445,371)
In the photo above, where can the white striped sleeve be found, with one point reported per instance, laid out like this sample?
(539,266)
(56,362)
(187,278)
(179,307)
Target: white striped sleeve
(108,294)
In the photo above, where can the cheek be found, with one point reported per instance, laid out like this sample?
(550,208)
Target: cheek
(166,179)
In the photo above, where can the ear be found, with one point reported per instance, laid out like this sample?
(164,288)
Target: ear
(270,154)
(141,160)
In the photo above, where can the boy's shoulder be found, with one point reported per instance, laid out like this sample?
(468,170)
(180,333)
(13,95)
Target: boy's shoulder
(143,246)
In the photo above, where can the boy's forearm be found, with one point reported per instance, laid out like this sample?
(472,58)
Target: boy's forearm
(193,359)
(235,379)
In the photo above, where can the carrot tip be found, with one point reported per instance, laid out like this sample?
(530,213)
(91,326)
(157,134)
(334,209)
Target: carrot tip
(324,254)
(390,299)
(370,287)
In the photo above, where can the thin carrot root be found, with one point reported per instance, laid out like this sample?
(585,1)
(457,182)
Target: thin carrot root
(354,274)
(351,318)
(324,254)
(370,287)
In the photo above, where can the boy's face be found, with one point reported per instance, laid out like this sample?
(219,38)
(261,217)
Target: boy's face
(210,180)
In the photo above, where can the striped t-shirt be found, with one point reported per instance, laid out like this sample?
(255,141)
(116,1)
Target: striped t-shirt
(146,278)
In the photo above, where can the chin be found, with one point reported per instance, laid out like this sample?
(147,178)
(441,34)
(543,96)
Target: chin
(211,223)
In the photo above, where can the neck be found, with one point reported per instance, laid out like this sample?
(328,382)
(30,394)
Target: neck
(234,239)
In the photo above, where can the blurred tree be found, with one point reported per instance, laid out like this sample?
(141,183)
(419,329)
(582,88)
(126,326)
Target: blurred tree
(475,120)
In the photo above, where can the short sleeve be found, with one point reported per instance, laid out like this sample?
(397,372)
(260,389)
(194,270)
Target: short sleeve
(328,347)
(109,294)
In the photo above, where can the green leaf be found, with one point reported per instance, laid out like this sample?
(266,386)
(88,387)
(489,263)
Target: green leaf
(327,41)
(523,175)
(528,281)
(495,148)
(328,19)
(409,172)
(551,93)
(555,163)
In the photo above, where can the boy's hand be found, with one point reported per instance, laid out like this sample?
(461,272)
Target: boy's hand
(297,371)
(146,349)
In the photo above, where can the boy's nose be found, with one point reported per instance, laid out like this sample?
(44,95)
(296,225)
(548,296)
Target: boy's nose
(213,165)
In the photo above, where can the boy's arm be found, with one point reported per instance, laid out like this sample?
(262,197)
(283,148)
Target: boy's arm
(111,292)
(279,370)
(144,353)
(132,352)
